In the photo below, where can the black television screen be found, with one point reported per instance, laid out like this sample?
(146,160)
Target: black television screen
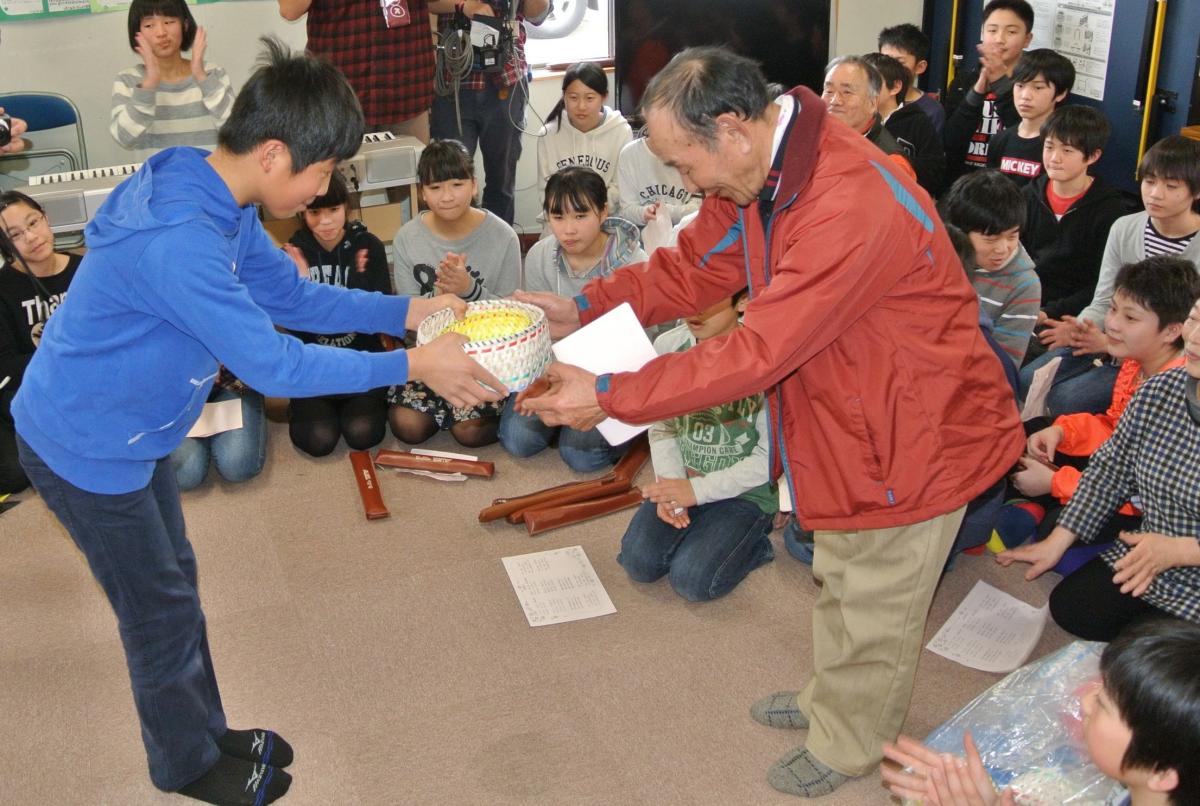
(789,38)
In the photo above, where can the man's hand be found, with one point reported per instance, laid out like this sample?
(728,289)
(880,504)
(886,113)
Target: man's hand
(16,127)
(152,77)
(293,251)
(570,400)
(447,370)
(421,307)
(561,312)
(1043,444)
(1043,555)
(199,45)
(1151,555)
(1033,479)
(452,276)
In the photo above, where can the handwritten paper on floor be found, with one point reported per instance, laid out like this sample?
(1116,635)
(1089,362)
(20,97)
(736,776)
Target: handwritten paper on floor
(990,631)
(557,585)
(217,418)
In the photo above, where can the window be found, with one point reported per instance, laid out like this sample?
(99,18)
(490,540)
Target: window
(576,30)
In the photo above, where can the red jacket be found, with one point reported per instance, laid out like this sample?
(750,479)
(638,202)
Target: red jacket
(887,405)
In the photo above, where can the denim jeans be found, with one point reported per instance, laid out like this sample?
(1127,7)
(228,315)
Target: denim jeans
(493,124)
(583,451)
(1079,385)
(239,454)
(137,549)
(706,559)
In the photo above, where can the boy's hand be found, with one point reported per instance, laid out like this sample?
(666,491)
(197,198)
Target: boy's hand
(991,64)
(452,275)
(1043,444)
(421,307)
(1043,555)
(672,515)
(293,251)
(1151,555)
(447,370)
(1057,332)
(199,45)
(676,492)
(1033,479)
(561,312)
(152,77)
(940,779)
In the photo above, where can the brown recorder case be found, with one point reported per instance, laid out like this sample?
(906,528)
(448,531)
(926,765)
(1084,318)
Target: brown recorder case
(368,485)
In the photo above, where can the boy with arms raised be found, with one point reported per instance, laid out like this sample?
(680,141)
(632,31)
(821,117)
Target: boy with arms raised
(1042,79)
(980,103)
(126,364)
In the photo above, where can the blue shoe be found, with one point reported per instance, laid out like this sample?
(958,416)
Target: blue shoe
(798,542)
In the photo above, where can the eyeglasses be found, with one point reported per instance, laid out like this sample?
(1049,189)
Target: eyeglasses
(33,222)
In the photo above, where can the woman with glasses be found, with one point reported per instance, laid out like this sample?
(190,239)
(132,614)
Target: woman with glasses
(33,283)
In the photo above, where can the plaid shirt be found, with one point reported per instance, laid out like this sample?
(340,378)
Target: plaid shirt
(1152,458)
(391,69)
(512,72)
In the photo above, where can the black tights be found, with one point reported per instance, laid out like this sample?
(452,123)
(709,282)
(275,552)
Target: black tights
(414,427)
(317,423)
(1089,605)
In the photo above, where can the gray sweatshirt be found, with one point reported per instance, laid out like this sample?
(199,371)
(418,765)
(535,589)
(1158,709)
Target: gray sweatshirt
(547,270)
(493,258)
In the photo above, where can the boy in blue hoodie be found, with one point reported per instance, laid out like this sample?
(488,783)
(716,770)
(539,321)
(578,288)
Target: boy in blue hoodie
(181,277)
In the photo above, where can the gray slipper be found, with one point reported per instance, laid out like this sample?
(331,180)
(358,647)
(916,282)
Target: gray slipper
(779,710)
(798,773)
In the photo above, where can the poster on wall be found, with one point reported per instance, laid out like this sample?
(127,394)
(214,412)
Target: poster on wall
(1081,30)
(23,10)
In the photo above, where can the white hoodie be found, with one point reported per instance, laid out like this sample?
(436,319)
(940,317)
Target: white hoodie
(561,145)
(643,179)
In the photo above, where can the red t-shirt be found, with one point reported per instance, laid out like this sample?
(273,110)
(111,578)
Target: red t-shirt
(1060,204)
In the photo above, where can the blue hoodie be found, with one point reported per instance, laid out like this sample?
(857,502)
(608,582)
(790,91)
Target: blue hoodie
(177,279)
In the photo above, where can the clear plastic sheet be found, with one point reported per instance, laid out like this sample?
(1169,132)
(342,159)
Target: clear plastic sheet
(1028,728)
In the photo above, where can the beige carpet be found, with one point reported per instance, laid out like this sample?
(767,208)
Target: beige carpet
(395,658)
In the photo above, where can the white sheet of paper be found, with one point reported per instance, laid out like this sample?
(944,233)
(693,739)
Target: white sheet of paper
(657,231)
(990,630)
(557,585)
(613,343)
(1039,387)
(224,415)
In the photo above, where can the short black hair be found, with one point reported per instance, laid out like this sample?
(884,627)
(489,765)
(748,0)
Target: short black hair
(962,246)
(302,101)
(1151,671)
(1051,65)
(1019,7)
(1176,158)
(140,9)
(1078,126)
(1167,285)
(906,37)
(892,72)
(983,201)
(591,75)
(575,188)
(337,194)
(700,84)
(443,161)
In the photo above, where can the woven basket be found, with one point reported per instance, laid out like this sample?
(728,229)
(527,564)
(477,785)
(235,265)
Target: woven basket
(517,358)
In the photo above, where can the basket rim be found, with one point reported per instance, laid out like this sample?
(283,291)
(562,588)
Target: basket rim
(536,314)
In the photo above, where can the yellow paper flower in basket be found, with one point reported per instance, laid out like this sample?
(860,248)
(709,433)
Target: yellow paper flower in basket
(494,324)
(509,338)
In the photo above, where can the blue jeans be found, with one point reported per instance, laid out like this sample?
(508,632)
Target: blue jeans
(583,451)
(1079,385)
(493,124)
(239,454)
(799,542)
(724,542)
(137,548)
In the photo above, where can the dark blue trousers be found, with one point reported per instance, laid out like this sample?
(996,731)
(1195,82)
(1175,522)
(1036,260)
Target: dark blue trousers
(137,548)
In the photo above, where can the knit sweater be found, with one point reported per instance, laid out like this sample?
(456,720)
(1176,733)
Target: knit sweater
(723,450)
(1011,297)
(493,257)
(179,113)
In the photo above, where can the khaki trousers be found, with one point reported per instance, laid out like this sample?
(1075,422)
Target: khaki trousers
(868,628)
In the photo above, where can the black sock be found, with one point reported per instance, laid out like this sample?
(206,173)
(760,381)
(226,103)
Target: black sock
(258,745)
(237,782)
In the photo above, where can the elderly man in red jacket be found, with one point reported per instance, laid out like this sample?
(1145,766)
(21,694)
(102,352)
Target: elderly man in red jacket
(888,410)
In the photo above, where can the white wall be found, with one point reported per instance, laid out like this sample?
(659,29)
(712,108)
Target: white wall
(855,24)
(78,56)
